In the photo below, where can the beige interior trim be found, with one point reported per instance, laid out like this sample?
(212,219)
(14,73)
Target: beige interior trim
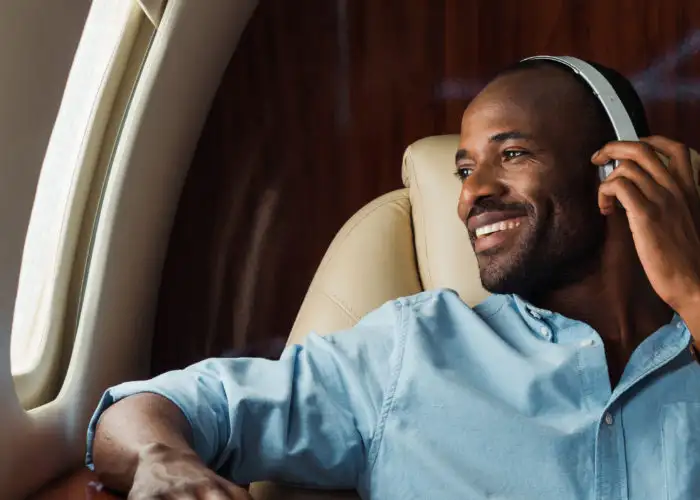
(36,385)
(83,249)
(188,56)
(153,10)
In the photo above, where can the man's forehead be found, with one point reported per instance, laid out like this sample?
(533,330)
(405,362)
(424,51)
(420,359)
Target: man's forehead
(499,111)
(528,100)
(487,118)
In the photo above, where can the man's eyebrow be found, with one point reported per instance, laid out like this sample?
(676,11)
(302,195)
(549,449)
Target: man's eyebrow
(461,155)
(500,137)
(511,134)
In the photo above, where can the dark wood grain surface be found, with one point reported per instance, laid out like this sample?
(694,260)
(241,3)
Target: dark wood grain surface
(315,110)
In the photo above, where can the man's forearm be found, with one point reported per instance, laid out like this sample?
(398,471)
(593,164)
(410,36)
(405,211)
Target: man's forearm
(143,423)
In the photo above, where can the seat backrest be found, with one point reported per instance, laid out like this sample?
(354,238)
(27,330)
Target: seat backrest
(399,244)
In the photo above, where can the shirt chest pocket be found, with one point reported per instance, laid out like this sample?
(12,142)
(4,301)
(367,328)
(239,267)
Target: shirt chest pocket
(680,428)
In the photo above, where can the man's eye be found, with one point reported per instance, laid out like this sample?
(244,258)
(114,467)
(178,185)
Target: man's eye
(511,154)
(463,172)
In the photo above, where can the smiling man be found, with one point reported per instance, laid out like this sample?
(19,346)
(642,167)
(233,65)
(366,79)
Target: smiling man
(576,379)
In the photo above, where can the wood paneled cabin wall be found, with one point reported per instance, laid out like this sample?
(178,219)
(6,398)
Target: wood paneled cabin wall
(315,110)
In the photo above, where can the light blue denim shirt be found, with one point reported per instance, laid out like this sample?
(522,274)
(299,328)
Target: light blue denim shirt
(429,398)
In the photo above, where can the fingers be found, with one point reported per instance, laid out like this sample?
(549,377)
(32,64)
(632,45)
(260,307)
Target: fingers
(679,165)
(624,190)
(180,496)
(644,182)
(213,493)
(218,490)
(234,492)
(643,155)
(641,163)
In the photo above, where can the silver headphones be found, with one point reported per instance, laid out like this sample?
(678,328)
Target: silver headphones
(621,122)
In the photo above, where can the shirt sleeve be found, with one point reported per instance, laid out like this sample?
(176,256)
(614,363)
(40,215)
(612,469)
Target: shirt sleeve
(309,418)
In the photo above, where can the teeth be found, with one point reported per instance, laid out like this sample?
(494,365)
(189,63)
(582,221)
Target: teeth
(498,226)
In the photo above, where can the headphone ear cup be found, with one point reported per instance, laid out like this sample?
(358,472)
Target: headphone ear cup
(605,170)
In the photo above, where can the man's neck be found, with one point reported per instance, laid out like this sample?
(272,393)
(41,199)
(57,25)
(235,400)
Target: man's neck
(621,312)
(617,301)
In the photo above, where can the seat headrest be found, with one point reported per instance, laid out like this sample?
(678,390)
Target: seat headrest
(443,251)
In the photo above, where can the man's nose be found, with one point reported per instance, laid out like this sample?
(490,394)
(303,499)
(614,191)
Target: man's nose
(483,182)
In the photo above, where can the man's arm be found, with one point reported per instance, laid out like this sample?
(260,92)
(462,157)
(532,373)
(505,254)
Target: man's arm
(308,418)
(143,424)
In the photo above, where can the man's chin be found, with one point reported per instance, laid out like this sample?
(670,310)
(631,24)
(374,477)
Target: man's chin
(501,267)
(505,270)
(493,274)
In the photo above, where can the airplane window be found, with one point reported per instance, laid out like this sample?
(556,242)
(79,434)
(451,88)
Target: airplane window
(69,184)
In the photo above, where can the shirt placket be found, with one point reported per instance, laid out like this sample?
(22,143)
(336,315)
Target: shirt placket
(610,457)
(610,452)
(610,460)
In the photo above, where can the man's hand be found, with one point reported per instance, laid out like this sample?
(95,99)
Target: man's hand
(166,473)
(663,209)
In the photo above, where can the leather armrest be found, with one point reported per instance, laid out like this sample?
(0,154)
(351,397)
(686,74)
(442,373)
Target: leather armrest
(79,485)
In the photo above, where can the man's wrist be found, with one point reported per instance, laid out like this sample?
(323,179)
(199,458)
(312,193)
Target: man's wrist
(690,313)
(162,452)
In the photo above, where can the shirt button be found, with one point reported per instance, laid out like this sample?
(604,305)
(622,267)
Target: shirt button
(546,333)
(587,343)
(680,325)
(609,418)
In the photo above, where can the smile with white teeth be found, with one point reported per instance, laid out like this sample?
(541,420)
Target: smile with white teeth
(498,226)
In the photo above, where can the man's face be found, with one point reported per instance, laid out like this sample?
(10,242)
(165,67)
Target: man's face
(529,190)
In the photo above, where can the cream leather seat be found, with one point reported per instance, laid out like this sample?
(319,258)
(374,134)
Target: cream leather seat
(397,245)
(401,243)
